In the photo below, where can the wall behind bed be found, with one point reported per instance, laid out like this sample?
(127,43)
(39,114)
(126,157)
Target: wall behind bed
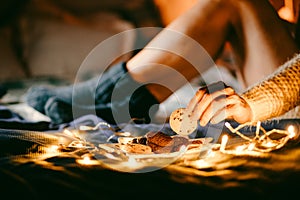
(51,38)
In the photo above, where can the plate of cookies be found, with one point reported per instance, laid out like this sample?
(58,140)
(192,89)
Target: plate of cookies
(155,149)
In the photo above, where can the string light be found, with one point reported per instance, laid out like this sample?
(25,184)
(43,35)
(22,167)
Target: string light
(262,142)
(291,130)
(224,142)
(87,160)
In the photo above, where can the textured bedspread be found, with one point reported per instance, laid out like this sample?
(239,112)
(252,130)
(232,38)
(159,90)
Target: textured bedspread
(29,170)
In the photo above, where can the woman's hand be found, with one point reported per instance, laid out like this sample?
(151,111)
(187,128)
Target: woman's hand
(217,102)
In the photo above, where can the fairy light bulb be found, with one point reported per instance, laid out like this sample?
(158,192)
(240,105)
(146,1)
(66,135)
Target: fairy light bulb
(251,146)
(224,142)
(240,148)
(262,142)
(87,160)
(291,131)
(53,148)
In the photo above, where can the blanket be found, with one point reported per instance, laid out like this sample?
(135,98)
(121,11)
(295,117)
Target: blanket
(28,170)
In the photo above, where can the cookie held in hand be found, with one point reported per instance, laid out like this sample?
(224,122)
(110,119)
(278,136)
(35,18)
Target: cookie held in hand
(181,122)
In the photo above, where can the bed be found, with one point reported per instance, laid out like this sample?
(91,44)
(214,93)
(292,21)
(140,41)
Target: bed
(41,160)
(31,168)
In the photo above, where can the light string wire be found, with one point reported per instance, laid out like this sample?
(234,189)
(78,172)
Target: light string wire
(262,142)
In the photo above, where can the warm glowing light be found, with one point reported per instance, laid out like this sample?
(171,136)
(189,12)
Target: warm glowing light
(68,132)
(228,125)
(86,160)
(201,164)
(262,142)
(79,145)
(85,128)
(53,149)
(224,142)
(269,144)
(240,148)
(251,146)
(291,131)
(211,154)
(258,128)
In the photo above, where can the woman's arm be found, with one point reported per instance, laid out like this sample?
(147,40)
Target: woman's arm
(277,94)
(271,97)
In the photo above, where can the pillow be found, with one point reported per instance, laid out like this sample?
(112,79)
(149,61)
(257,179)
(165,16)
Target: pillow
(10,67)
(57,47)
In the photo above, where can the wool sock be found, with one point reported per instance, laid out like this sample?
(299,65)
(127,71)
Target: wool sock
(115,97)
(97,89)
(136,107)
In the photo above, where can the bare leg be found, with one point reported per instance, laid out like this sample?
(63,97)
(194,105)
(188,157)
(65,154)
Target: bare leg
(260,41)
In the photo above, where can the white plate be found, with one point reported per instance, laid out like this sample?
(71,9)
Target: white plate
(124,140)
(114,157)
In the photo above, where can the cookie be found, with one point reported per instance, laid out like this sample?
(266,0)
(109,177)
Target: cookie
(181,122)
(136,148)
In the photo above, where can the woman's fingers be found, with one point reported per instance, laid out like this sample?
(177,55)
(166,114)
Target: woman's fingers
(197,98)
(213,108)
(206,101)
(238,110)
(231,107)
(202,92)
(217,102)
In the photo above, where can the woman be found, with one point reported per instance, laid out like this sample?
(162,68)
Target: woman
(253,29)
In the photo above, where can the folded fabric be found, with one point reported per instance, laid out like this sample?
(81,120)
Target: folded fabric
(114,96)
(81,93)
(12,120)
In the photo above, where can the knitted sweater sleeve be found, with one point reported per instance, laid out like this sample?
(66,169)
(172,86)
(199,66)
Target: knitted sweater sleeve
(277,94)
